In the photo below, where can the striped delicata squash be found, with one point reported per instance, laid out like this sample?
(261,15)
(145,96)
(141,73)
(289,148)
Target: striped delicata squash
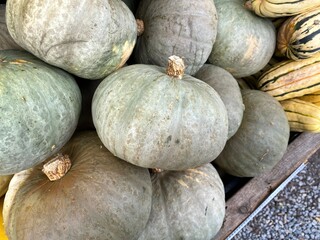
(299,36)
(312,98)
(302,116)
(280,8)
(290,78)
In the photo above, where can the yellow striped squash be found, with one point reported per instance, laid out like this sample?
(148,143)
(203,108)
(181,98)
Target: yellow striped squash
(299,36)
(302,116)
(312,97)
(280,8)
(3,235)
(289,78)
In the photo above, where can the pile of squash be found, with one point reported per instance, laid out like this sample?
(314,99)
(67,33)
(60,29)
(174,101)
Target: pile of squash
(292,76)
(118,118)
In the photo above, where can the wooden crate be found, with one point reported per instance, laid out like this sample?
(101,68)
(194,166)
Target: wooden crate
(244,201)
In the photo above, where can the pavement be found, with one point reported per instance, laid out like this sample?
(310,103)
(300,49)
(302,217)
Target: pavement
(294,213)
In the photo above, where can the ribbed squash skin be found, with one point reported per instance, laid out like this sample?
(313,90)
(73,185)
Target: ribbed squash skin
(311,97)
(303,116)
(245,42)
(39,110)
(289,79)
(261,140)
(187,205)
(89,39)
(176,27)
(299,36)
(280,8)
(228,89)
(152,120)
(101,197)
(6,41)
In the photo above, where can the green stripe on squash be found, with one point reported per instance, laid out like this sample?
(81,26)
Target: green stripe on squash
(299,36)
(291,78)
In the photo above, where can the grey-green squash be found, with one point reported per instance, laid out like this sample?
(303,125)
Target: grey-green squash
(176,27)
(228,89)
(187,205)
(39,110)
(245,42)
(96,196)
(160,118)
(261,140)
(89,39)
(6,41)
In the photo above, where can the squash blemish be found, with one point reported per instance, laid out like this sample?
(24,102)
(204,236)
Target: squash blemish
(182,183)
(169,139)
(18,61)
(252,43)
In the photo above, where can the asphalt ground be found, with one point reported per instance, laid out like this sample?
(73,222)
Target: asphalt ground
(294,213)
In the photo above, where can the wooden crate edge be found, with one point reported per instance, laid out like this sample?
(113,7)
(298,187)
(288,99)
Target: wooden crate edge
(248,198)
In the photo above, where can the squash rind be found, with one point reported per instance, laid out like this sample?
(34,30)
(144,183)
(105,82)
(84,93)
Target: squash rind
(280,8)
(261,140)
(184,28)
(72,35)
(299,36)
(245,42)
(101,197)
(228,89)
(303,116)
(39,110)
(152,120)
(289,78)
(187,204)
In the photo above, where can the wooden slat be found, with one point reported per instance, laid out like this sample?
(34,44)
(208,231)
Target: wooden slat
(248,198)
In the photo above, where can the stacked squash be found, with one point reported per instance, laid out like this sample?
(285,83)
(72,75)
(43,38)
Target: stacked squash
(294,79)
(113,128)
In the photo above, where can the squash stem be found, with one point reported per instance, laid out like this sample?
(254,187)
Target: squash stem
(140,27)
(175,67)
(57,167)
(157,170)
